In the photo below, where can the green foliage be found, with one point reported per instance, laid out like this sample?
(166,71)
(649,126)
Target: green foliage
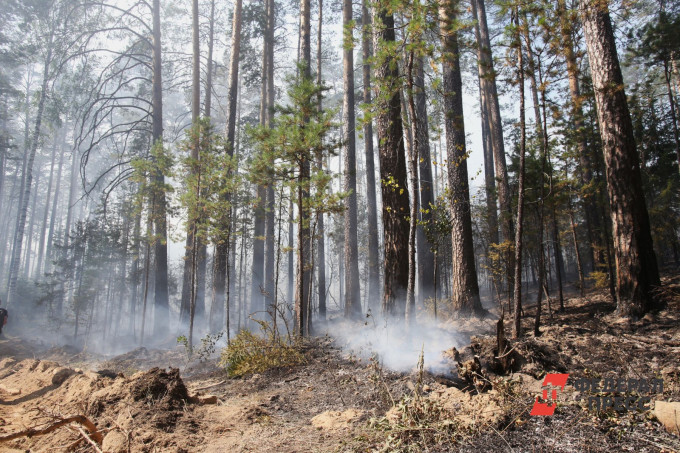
(252,353)
(207,181)
(299,134)
(438,229)
(149,174)
(207,348)
(658,40)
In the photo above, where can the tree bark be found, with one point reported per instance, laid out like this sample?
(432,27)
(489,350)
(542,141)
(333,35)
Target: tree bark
(46,212)
(352,288)
(222,247)
(423,245)
(465,294)
(395,199)
(517,293)
(303,324)
(593,226)
(161,305)
(270,217)
(636,267)
(321,242)
(412,153)
(257,302)
(371,202)
(188,305)
(488,77)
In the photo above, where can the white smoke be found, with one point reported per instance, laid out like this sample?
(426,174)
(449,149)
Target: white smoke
(398,346)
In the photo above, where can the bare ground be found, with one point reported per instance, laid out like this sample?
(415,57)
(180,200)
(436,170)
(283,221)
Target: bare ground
(336,401)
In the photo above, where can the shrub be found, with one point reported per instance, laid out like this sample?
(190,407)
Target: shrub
(251,353)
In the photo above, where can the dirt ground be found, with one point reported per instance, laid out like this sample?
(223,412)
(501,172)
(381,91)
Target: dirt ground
(158,401)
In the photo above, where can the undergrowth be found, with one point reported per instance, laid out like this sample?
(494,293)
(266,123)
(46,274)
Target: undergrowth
(416,423)
(252,353)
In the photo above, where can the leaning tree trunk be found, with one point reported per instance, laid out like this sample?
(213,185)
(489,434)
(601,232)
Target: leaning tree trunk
(637,273)
(465,294)
(396,206)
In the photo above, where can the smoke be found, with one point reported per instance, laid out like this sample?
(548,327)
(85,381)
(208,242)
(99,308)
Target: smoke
(397,345)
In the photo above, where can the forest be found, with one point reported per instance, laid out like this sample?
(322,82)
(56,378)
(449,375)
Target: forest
(281,183)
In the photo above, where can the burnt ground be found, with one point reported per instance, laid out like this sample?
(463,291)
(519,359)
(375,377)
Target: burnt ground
(336,401)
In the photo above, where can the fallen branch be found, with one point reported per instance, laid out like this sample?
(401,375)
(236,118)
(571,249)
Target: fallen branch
(507,353)
(653,340)
(89,439)
(31,432)
(205,387)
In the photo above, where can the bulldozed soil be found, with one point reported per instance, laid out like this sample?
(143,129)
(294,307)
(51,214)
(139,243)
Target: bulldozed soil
(151,400)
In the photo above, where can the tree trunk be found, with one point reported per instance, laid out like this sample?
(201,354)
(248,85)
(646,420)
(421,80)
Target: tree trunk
(23,208)
(31,225)
(671,101)
(425,253)
(46,212)
(161,305)
(542,286)
(188,307)
(577,253)
(257,302)
(412,153)
(291,246)
(489,177)
(488,77)
(202,269)
(465,294)
(321,242)
(352,288)
(303,324)
(53,214)
(517,324)
(269,248)
(593,226)
(371,203)
(222,247)
(636,267)
(202,254)
(392,167)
